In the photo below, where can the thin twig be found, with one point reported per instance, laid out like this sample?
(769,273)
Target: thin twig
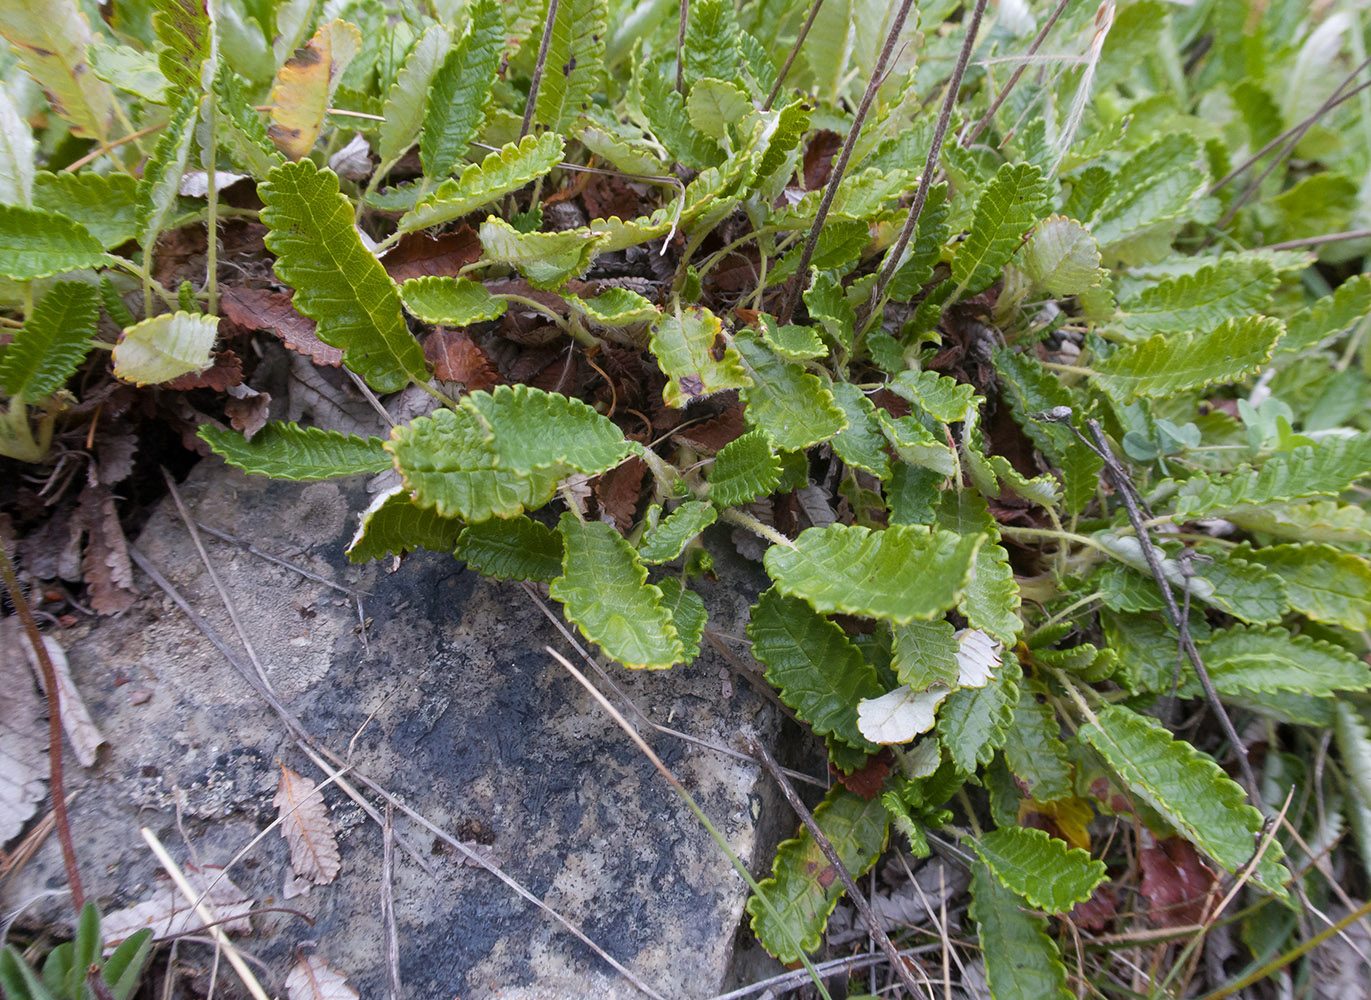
(251,549)
(59,797)
(537,81)
(831,853)
(872,86)
(1318,241)
(790,56)
(100,151)
(1037,42)
(828,970)
(896,251)
(388,904)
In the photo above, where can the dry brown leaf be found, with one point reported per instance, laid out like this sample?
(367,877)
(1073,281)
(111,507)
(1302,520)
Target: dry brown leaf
(168,913)
(306,828)
(106,566)
(114,456)
(312,979)
(1175,881)
(80,728)
(23,736)
(261,309)
(247,409)
(457,358)
(305,85)
(710,436)
(618,491)
(418,255)
(226,371)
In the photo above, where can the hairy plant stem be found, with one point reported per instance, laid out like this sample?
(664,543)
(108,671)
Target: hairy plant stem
(835,178)
(790,56)
(59,795)
(745,520)
(537,80)
(212,211)
(892,256)
(680,47)
(969,137)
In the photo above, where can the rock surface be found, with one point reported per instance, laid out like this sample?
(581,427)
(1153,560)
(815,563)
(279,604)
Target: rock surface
(452,705)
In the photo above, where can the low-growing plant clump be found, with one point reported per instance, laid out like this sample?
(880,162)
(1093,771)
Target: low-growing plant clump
(1025,347)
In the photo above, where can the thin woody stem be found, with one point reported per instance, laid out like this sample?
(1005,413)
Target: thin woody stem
(538,68)
(1041,37)
(790,57)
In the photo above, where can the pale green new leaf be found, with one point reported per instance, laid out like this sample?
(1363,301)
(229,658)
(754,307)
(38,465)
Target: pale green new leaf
(1324,468)
(55,339)
(941,397)
(973,722)
(816,668)
(17,149)
(1166,364)
(1325,583)
(925,653)
(1317,521)
(1230,288)
(901,573)
(804,889)
(715,107)
(1353,735)
(784,400)
(1188,789)
(288,451)
(1006,210)
(668,539)
(688,614)
(684,346)
(165,347)
(1061,256)
(604,590)
(861,445)
(791,124)
(545,259)
(162,173)
(37,244)
(407,97)
(744,469)
(50,39)
(455,107)
(632,154)
(1033,747)
(575,63)
(505,170)
(1047,872)
(916,444)
(338,282)
(516,548)
(1244,660)
(616,308)
(105,205)
(1021,960)
(447,301)
(395,524)
(1328,316)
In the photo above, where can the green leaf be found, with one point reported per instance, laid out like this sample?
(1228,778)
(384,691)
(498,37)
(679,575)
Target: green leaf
(1061,256)
(1229,289)
(575,63)
(1033,747)
(1329,316)
(817,669)
(715,107)
(1319,521)
(161,181)
(1188,789)
(828,303)
(664,110)
(1324,468)
(17,149)
(407,98)
(455,107)
(625,150)
(338,282)
(1021,960)
(447,301)
(926,249)
(791,125)
(1046,871)
(395,524)
(124,968)
(974,722)
(36,244)
(792,342)
(545,259)
(1353,736)
(924,654)
(941,397)
(505,170)
(684,346)
(287,451)
(55,339)
(1169,363)
(711,42)
(744,469)
(1154,187)
(106,206)
(861,445)
(667,540)
(604,590)
(841,242)
(1005,211)
(1319,203)
(804,888)
(991,599)
(50,39)
(515,548)
(688,615)
(17,977)
(901,573)
(912,493)
(1323,582)
(784,400)
(534,429)
(183,29)
(617,308)
(1243,660)
(165,347)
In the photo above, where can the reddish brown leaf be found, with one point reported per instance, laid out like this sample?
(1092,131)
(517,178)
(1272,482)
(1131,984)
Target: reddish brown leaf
(529,363)
(617,492)
(226,371)
(606,196)
(261,309)
(1175,881)
(712,435)
(819,158)
(247,410)
(417,255)
(114,453)
(105,564)
(1098,912)
(457,358)
(868,780)
(180,256)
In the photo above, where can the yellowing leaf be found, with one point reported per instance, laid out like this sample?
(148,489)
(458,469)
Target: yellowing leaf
(165,347)
(312,979)
(305,85)
(51,37)
(306,828)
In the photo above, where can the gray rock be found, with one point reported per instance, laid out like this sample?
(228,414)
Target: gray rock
(452,705)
